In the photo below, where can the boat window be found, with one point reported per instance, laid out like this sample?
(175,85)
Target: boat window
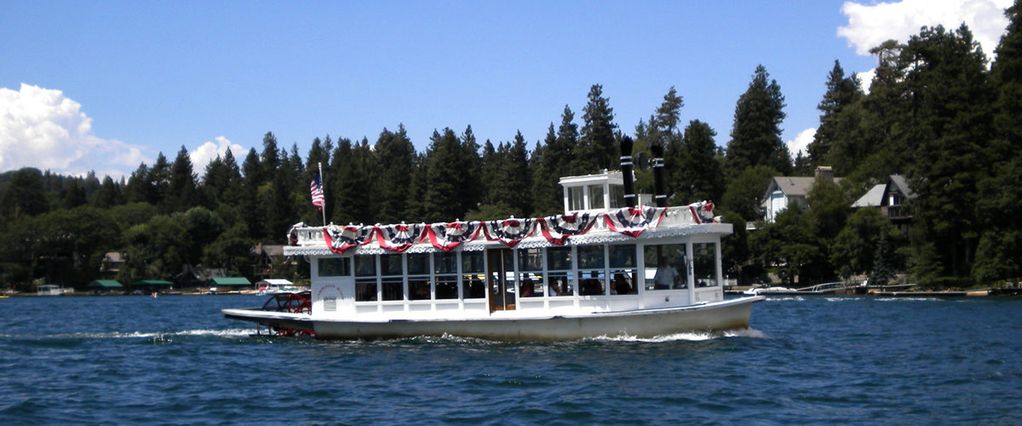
(665,267)
(591,283)
(365,289)
(575,198)
(445,263)
(623,282)
(622,256)
(365,266)
(595,196)
(617,196)
(558,258)
(390,264)
(473,270)
(704,260)
(418,264)
(445,268)
(561,283)
(590,257)
(530,259)
(532,284)
(418,276)
(334,266)
(393,288)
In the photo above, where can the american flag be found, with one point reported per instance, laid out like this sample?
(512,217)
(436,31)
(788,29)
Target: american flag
(317,191)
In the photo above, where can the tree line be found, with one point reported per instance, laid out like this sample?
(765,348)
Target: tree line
(935,112)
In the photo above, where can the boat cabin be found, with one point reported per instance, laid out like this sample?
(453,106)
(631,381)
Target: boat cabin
(671,259)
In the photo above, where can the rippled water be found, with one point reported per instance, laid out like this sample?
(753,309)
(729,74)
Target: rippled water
(806,360)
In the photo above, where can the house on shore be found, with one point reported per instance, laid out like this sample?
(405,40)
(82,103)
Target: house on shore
(892,198)
(785,191)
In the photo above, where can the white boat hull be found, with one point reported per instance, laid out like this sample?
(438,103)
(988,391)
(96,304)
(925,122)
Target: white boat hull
(718,316)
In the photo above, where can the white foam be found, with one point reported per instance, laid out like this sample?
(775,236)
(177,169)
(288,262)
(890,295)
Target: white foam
(785,299)
(907,299)
(233,332)
(689,337)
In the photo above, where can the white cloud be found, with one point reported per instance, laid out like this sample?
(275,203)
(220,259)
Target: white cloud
(870,25)
(42,128)
(866,79)
(209,150)
(801,141)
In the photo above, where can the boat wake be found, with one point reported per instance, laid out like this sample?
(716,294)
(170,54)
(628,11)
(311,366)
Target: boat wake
(678,337)
(233,332)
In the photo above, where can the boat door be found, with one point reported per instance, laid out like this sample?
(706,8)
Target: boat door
(500,274)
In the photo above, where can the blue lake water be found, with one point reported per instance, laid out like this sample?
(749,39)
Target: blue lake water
(176,360)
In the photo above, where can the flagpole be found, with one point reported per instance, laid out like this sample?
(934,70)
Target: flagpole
(322,187)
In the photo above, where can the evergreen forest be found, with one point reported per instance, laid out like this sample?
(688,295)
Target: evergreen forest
(940,112)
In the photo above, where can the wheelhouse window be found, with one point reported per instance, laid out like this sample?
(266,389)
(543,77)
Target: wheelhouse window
(530,268)
(445,269)
(334,266)
(595,196)
(559,279)
(623,271)
(418,277)
(592,277)
(665,267)
(704,260)
(472,271)
(617,196)
(576,200)
(365,279)
(391,280)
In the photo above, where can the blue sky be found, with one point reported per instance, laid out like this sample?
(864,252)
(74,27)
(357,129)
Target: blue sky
(145,77)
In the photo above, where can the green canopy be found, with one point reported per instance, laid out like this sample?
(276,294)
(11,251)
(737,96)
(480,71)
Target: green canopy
(229,281)
(105,284)
(152,283)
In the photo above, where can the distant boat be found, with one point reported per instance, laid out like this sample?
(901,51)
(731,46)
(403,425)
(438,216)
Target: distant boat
(276,286)
(50,290)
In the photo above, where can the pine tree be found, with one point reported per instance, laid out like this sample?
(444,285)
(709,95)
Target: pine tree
(697,174)
(664,130)
(74,195)
(518,177)
(950,127)
(999,252)
(596,149)
(159,181)
(545,188)
(841,92)
(756,135)
(182,192)
(395,156)
(471,163)
(248,200)
(443,198)
(270,157)
(108,194)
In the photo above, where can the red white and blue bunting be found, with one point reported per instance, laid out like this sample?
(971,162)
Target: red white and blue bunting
(340,239)
(558,228)
(510,232)
(448,236)
(633,221)
(398,238)
(702,212)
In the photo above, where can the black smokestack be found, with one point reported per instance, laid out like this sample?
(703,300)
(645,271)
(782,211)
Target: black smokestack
(658,174)
(626,170)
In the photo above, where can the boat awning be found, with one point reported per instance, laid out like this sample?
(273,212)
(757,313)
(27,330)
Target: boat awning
(152,283)
(229,281)
(105,284)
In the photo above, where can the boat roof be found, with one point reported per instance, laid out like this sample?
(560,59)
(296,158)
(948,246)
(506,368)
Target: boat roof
(275,281)
(152,283)
(230,281)
(105,284)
